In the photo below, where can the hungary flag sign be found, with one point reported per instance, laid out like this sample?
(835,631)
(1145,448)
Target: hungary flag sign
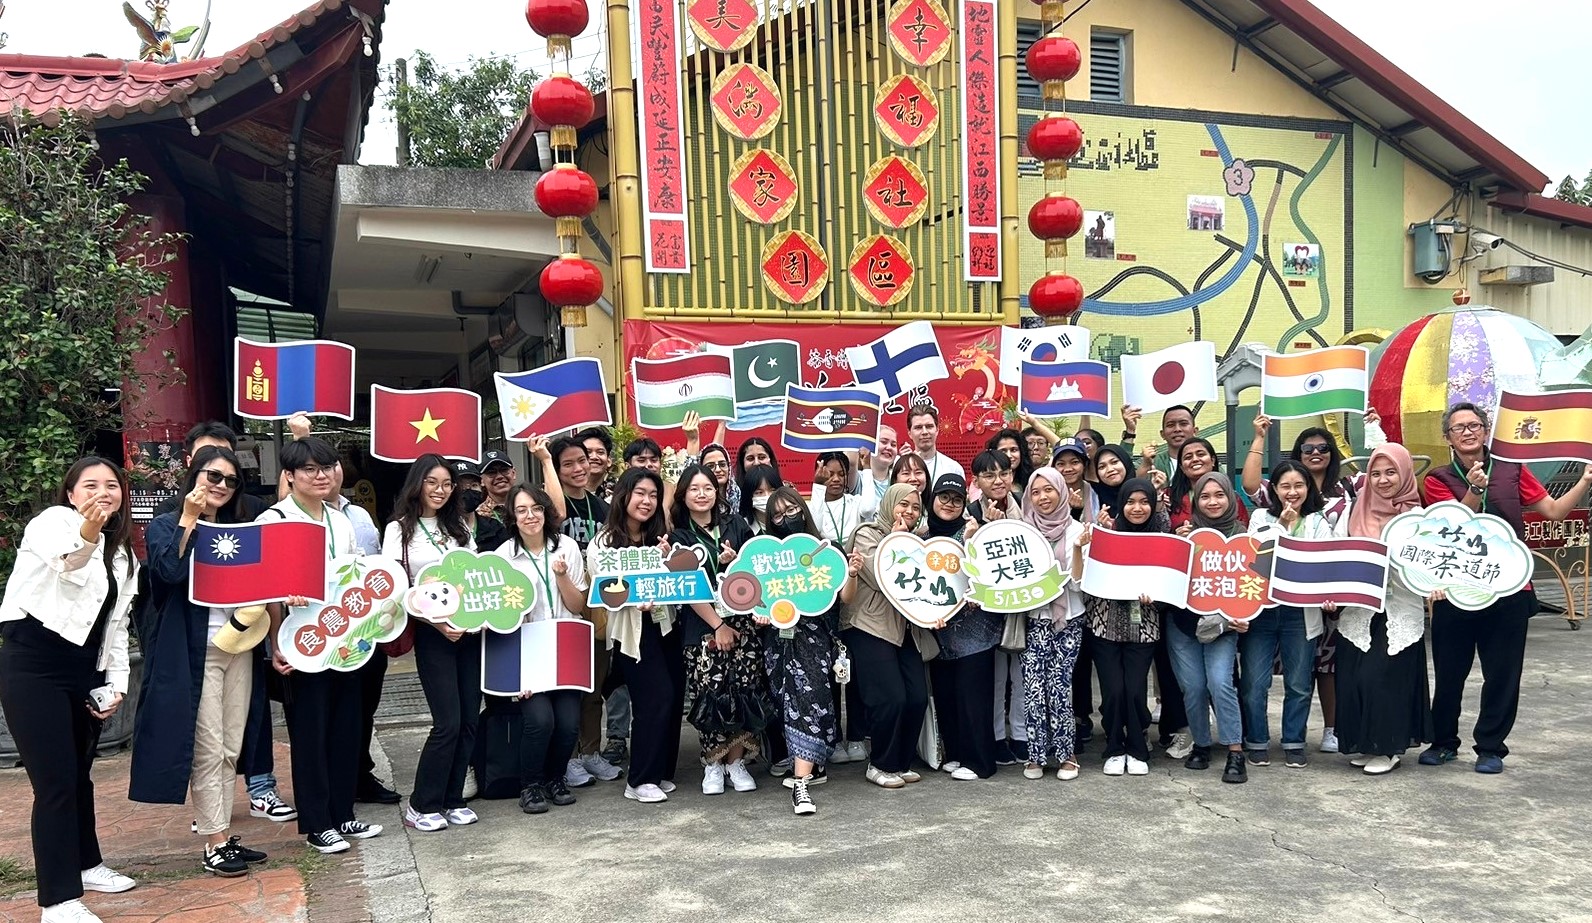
(1314,382)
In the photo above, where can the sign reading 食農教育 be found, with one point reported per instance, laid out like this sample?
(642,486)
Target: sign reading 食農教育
(468,591)
(635,576)
(1011,568)
(923,580)
(784,579)
(1474,558)
(363,607)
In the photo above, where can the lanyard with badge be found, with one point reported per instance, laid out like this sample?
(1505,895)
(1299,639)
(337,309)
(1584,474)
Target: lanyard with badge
(326,520)
(544,570)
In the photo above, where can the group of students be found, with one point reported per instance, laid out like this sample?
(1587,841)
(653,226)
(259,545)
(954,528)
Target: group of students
(1007,689)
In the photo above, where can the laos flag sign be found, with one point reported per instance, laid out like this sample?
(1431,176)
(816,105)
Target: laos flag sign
(273,381)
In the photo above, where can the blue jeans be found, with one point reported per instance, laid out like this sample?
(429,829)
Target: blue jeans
(1280,630)
(1205,673)
(262,783)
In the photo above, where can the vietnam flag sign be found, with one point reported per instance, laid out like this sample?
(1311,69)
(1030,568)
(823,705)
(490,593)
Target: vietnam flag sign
(405,425)
(245,563)
(273,381)
(1556,426)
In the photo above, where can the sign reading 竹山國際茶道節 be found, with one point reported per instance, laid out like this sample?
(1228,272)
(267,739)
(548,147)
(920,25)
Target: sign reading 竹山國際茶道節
(1474,558)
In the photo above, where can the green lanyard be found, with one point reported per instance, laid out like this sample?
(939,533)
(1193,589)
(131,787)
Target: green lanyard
(436,543)
(1465,478)
(712,557)
(331,534)
(829,510)
(544,570)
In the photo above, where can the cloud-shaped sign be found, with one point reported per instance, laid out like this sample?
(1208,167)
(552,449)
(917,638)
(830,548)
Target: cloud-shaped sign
(1474,558)
(784,579)
(469,591)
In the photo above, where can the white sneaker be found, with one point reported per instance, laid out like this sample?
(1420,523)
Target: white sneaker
(460,817)
(950,766)
(964,774)
(598,765)
(666,786)
(68,912)
(856,751)
(646,794)
(425,823)
(1358,760)
(713,779)
(1182,745)
(1137,767)
(471,788)
(841,755)
(740,778)
(270,807)
(884,779)
(1116,766)
(103,879)
(576,775)
(1329,741)
(1381,765)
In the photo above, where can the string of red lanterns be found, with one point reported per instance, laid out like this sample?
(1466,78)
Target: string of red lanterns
(566,193)
(1055,139)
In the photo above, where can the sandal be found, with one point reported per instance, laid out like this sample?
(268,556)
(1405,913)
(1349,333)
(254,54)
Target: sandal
(1068,770)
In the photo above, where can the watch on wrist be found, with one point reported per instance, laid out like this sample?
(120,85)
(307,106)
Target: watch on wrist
(1478,491)
(1128,436)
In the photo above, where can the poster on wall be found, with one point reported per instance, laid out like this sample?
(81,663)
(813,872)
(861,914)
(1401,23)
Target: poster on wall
(980,130)
(666,236)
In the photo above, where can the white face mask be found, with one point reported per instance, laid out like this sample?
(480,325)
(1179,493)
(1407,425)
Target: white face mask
(760,503)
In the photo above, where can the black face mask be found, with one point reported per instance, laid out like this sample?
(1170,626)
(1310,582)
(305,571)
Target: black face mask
(785,527)
(471,498)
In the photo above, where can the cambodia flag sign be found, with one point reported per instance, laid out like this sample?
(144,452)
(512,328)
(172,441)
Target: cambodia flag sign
(538,657)
(273,381)
(244,563)
(1346,571)
(1126,565)
(553,398)
(405,425)
(1054,389)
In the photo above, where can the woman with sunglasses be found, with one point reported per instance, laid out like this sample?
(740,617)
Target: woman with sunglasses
(64,620)
(428,522)
(193,707)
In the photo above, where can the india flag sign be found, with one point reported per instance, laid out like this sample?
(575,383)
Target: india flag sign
(1314,382)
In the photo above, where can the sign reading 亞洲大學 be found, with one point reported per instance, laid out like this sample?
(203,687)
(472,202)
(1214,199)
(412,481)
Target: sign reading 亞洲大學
(1011,568)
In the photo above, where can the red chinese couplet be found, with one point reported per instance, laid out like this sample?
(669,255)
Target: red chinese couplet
(980,105)
(659,112)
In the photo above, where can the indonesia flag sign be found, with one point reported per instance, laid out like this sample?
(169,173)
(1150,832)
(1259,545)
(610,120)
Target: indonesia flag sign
(1345,571)
(1126,565)
(1183,374)
(538,657)
(273,381)
(1055,389)
(245,563)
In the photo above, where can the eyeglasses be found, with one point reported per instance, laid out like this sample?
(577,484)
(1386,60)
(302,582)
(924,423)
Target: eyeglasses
(216,477)
(316,472)
(530,511)
(1315,448)
(1459,428)
(717,466)
(433,484)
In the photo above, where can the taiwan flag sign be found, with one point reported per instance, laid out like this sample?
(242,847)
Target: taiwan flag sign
(244,563)
(405,425)
(273,381)
(1055,389)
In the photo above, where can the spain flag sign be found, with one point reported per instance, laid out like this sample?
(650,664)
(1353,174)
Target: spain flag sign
(1556,426)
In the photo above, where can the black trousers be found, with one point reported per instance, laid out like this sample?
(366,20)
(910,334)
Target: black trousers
(964,696)
(1497,637)
(657,700)
(450,674)
(549,727)
(1124,670)
(323,729)
(1083,684)
(1174,715)
(44,691)
(372,677)
(894,693)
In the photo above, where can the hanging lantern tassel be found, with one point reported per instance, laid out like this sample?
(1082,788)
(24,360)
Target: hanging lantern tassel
(567,194)
(557,21)
(573,284)
(565,105)
(1055,296)
(1054,141)
(1053,219)
(1053,60)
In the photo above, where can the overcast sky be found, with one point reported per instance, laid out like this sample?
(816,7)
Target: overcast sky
(1520,68)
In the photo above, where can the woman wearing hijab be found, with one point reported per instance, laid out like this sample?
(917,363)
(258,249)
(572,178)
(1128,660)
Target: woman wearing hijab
(1384,706)
(1111,467)
(1204,649)
(964,674)
(884,649)
(1055,635)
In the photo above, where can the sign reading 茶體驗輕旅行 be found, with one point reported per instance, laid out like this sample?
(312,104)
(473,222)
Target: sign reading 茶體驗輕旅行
(637,576)
(1011,568)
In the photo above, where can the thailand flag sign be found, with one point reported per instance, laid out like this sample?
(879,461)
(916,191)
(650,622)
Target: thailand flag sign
(245,563)
(1055,389)
(1345,571)
(538,657)
(273,381)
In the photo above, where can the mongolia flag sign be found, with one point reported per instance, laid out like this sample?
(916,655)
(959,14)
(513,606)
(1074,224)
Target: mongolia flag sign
(1346,571)
(244,563)
(1314,382)
(273,381)
(405,425)
(1556,426)
(830,419)
(1054,389)
(1125,565)
(553,398)
(538,657)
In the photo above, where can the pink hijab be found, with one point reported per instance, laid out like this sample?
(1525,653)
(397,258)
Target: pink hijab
(1371,511)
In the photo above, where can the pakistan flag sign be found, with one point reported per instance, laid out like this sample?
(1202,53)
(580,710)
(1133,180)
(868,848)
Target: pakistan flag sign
(763,369)
(1011,567)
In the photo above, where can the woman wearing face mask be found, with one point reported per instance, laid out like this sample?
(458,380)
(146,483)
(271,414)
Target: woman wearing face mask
(1125,633)
(1204,649)
(885,658)
(963,675)
(1296,509)
(428,522)
(1054,637)
(724,657)
(800,662)
(836,509)
(756,486)
(1385,707)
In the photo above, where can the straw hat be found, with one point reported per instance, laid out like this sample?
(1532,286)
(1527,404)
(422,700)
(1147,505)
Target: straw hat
(243,630)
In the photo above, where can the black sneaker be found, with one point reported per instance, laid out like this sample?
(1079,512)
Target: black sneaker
(359,830)
(224,861)
(1294,757)
(1020,750)
(616,752)
(371,791)
(558,793)
(1198,758)
(327,841)
(1004,755)
(1258,757)
(801,801)
(1437,756)
(1235,772)
(533,799)
(248,855)
(819,777)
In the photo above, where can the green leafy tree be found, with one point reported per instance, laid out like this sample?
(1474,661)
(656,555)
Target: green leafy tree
(80,280)
(459,118)
(1571,191)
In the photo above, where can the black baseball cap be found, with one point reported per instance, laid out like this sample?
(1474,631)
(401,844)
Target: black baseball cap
(950,484)
(465,469)
(495,457)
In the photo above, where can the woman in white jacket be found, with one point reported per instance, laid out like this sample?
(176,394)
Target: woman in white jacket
(65,628)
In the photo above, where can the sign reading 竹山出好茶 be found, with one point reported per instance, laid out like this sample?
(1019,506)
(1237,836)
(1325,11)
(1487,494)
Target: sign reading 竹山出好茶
(1011,568)
(468,591)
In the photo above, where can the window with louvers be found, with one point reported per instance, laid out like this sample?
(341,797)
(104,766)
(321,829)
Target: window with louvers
(1107,67)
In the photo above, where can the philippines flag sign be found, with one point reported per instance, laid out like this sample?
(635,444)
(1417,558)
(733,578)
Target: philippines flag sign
(905,358)
(830,419)
(1346,571)
(1184,374)
(244,563)
(1062,343)
(1126,565)
(1054,389)
(538,657)
(273,381)
(405,425)
(553,398)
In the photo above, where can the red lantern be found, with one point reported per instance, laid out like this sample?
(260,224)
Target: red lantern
(568,194)
(1053,219)
(1055,140)
(565,104)
(1052,60)
(1055,296)
(573,284)
(558,21)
